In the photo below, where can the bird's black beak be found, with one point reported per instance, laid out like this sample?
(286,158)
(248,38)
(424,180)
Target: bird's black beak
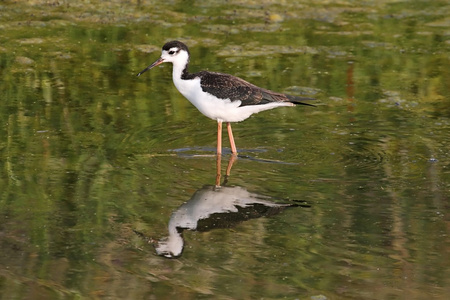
(156,63)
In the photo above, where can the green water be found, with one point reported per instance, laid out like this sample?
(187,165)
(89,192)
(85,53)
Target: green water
(90,152)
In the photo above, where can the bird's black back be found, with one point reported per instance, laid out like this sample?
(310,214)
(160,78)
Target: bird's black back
(225,86)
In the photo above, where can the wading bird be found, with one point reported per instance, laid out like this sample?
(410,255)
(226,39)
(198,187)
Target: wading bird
(221,97)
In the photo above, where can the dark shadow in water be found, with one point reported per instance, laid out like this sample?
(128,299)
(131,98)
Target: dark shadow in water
(215,206)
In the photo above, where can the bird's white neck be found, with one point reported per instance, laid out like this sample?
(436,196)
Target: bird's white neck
(185,83)
(180,66)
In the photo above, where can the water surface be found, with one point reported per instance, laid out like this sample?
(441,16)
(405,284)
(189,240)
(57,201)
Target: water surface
(91,154)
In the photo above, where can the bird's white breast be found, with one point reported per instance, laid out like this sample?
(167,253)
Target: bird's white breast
(215,108)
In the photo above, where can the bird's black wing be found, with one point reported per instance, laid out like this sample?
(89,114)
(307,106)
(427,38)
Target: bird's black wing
(225,86)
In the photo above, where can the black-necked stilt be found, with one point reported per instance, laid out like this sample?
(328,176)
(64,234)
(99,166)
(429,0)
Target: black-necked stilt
(221,97)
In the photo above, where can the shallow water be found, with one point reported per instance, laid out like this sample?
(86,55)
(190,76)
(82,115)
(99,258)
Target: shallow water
(92,155)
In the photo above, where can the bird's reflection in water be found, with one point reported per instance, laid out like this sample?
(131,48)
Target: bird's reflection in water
(215,206)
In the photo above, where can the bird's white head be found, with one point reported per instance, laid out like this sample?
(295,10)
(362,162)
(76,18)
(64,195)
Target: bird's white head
(175,52)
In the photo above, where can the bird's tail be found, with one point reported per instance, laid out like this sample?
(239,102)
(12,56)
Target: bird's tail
(300,100)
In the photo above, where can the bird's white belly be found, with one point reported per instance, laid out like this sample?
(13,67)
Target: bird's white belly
(219,109)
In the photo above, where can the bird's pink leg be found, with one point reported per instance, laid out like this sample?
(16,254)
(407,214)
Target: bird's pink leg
(218,165)
(230,135)
(230,164)
(219,137)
